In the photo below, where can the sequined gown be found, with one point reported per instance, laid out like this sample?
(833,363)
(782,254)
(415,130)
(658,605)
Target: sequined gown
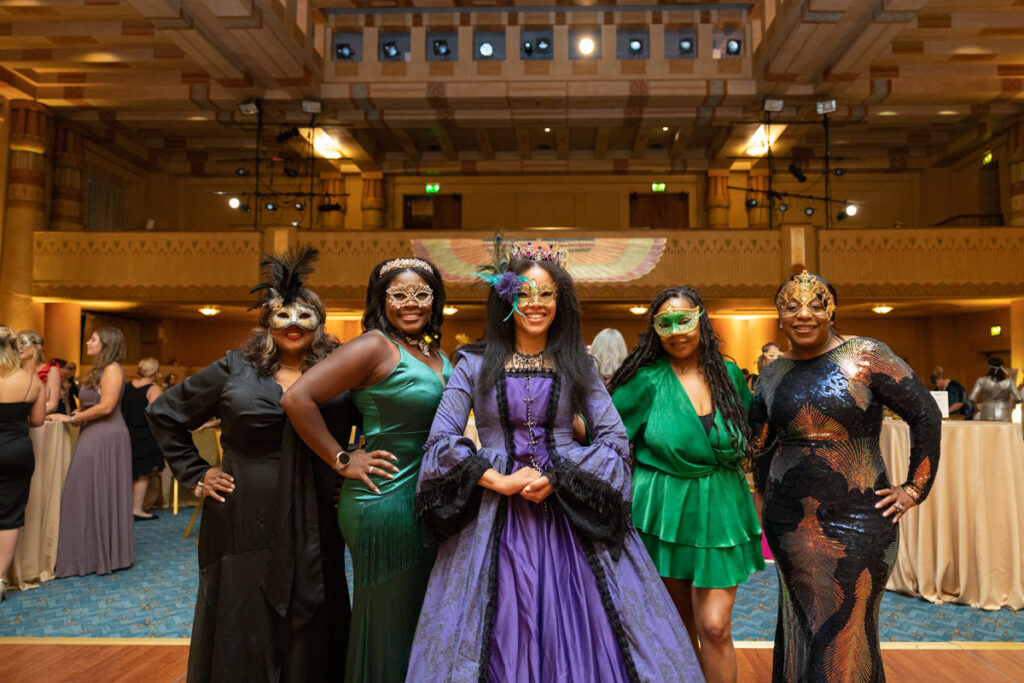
(816,423)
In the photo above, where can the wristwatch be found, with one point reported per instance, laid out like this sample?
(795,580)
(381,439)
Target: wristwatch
(341,460)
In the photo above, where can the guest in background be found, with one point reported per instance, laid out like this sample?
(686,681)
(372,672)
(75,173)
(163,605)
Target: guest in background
(69,387)
(829,506)
(146,455)
(769,352)
(233,632)
(96,534)
(958,402)
(609,350)
(685,411)
(22,405)
(169,381)
(30,344)
(996,392)
(62,406)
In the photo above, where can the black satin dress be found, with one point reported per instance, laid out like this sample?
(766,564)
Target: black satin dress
(816,424)
(237,635)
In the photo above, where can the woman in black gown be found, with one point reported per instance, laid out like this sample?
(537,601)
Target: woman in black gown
(829,509)
(235,630)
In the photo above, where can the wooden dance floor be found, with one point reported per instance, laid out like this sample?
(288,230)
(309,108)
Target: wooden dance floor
(53,660)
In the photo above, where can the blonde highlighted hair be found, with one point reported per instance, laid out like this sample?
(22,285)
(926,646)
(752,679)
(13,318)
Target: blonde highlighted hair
(36,340)
(10,359)
(148,368)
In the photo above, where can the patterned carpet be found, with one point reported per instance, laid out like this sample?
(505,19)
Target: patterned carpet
(155,598)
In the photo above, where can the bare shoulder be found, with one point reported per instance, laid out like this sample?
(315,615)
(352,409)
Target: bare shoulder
(368,346)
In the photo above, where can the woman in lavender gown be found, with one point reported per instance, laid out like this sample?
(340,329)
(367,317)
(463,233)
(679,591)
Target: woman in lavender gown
(540,575)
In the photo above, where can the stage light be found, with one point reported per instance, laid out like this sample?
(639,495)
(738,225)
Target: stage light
(299,206)
(664,129)
(637,310)
(783,207)
(234,202)
(839,171)
(543,46)
(547,130)
(486,50)
(842,215)
(851,210)
(881,309)
(344,52)
(209,310)
(270,206)
(295,224)
(285,136)
(527,47)
(825,106)
(243,207)
(687,46)
(809,210)
(441,48)
(311,106)
(586,46)
(751,203)
(797,172)
(389,50)
(636,46)
(329,206)
(733,46)
(291,171)
(449,310)
(249,107)
(241,172)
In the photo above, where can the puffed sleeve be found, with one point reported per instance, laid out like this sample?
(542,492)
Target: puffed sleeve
(632,400)
(593,484)
(447,494)
(183,408)
(898,387)
(764,439)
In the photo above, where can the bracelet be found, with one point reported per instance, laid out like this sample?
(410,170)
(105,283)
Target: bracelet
(341,460)
(912,490)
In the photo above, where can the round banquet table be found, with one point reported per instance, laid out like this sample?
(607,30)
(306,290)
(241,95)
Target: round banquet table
(965,543)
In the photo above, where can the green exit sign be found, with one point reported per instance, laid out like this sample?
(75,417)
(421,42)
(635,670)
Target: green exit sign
(987,159)
(432,188)
(657,187)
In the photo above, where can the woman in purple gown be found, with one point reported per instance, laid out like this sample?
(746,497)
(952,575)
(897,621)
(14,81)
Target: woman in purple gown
(540,575)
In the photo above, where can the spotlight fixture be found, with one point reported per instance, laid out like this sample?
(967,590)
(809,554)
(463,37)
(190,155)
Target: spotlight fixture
(547,129)
(329,206)
(295,224)
(798,172)
(299,206)
(234,202)
(527,47)
(636,46)
(209,310)
(773,105)
(270,206)
(809,210)
(286,135)
(543,46)
(783,207)
(839,171)
(291,171)
(389,50)
(842,215)
(638,310)
(851,210)
(751,203)
(241,172)
(249,107)
(586,46)
(441,48)
(881,309)
(312,106)
(486,50)
(687,46)
(449,310)
(344,52)
(733,46)
(825,106)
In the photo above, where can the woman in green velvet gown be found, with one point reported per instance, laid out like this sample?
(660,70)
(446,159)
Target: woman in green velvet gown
(685,411)
(396,373)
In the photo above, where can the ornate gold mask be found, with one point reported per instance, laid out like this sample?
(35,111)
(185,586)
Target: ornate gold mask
(805,291)
(401,294)
(533,292)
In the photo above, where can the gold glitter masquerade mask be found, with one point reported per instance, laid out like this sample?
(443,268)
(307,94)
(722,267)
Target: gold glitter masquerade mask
(24,340)
(672,321)
(401,294)
(532,292)
(805,291)
(298,314)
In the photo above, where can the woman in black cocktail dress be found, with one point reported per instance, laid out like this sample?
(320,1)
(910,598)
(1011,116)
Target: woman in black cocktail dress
(829,509)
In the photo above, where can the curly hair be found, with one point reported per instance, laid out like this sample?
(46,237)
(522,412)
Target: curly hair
(375,317)
(260,351)
(712,364)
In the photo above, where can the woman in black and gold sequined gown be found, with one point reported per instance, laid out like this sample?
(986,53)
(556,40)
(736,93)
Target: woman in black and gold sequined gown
(829,509)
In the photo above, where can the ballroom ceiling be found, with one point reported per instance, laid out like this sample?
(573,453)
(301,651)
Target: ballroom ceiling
(917,83)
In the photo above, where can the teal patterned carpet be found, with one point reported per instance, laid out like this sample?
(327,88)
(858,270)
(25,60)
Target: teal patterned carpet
(155,599)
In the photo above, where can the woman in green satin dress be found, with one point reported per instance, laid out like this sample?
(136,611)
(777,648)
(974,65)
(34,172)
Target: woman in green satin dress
(396,373)
(685,411)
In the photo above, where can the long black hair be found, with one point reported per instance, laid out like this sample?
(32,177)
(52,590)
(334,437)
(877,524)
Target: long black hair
(375,317)
(565,348)
(712,365)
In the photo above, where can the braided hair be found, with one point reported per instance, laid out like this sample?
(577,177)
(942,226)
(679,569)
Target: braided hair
(712,365)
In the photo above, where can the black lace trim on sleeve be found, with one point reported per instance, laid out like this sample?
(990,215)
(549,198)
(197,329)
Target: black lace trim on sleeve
(594,507)
(445,505)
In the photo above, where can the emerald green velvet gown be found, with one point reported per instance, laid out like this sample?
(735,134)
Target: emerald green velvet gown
(691,502)
(390,563)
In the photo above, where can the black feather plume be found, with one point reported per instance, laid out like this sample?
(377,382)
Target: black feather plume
(284,275)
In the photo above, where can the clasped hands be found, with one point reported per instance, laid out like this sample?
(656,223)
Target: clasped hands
(528,483)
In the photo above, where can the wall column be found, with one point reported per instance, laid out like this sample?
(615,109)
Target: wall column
(373,201)
(68,161)
(63,331)
(334,192)
(1015,154)
(757,184)
(25,211)
(717,201)
(1017,335)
